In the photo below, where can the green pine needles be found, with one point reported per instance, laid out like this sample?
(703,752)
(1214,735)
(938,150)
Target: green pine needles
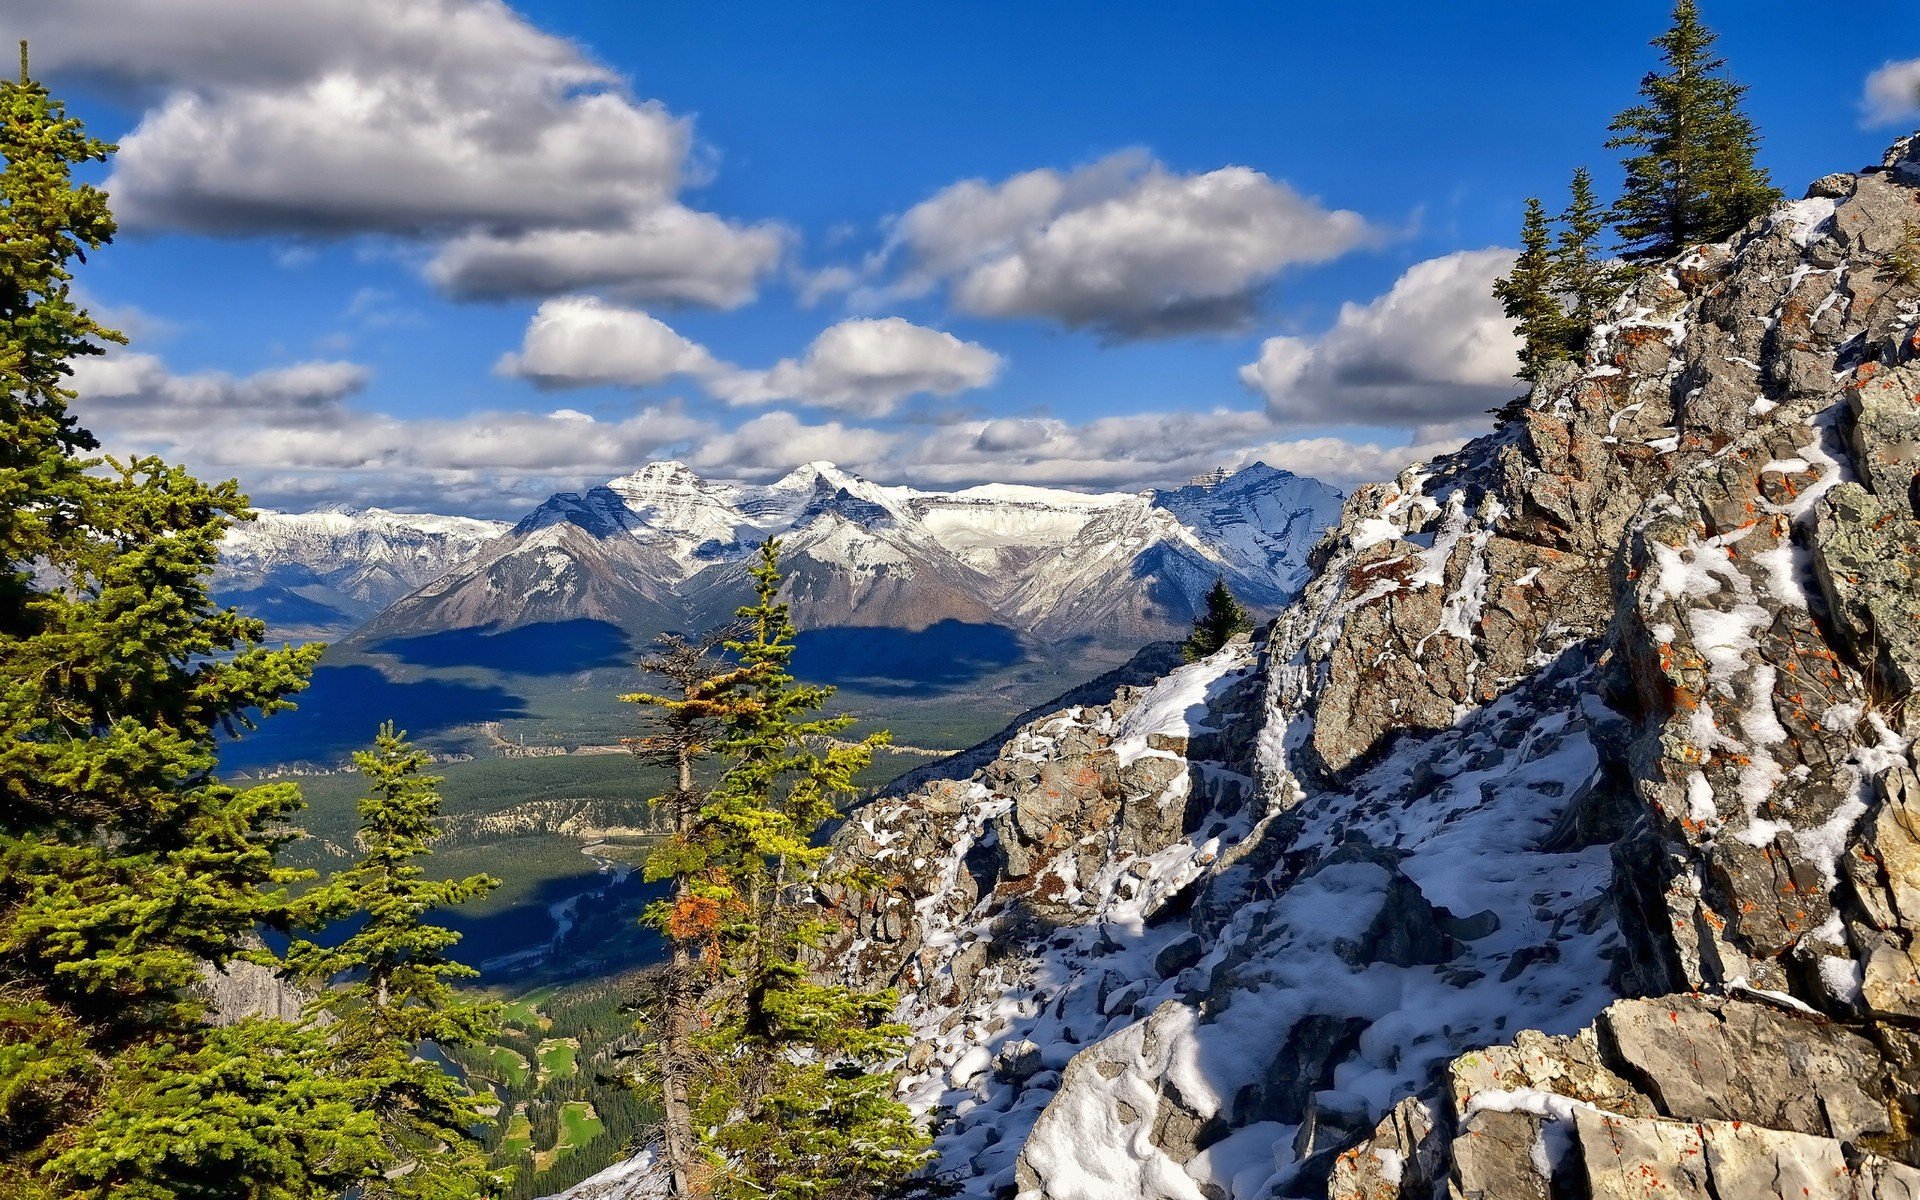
(1691,175)
(386,990)
(126,866)
(128,869)
(1690,178)
(1223,619)
(771,1084)
(1560,280)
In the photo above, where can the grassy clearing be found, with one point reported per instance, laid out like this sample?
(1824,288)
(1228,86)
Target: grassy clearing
(524,1010)
(579,1124)
(506,1065)
(519,1136)
(557,1057)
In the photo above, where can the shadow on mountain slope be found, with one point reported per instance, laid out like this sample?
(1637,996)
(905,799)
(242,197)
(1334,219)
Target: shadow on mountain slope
(546,648)
(905,662)
(341,711)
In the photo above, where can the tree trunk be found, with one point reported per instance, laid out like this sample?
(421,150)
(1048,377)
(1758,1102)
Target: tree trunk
(677,1149)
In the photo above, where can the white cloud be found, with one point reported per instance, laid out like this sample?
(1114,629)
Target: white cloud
(667,255)
(427,119)
(1892,93)
(778,441)
(1145,450)
(130,391)
(292,435)
(350,152)
(1434,348)
(295,436)
(1123,246)
(868,366)
(864,366)
(580,341)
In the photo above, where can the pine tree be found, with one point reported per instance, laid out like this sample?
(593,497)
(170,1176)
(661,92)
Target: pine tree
(1223,619)
(1529,295)
(1904,262)
(1691,176)
(788,1098)
(1582,275)
(386,990)
(126,865)
(682,730)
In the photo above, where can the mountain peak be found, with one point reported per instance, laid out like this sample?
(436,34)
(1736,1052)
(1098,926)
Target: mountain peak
(666,473)
(810,474)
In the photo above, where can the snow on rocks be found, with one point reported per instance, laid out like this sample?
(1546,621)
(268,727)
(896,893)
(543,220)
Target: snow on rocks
(1611,703)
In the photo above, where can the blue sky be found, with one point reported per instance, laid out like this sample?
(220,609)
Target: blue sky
(374,246)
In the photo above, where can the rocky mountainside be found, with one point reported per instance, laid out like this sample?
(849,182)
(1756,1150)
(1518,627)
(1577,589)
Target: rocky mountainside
(318,574)
(664,549)
(1561,840)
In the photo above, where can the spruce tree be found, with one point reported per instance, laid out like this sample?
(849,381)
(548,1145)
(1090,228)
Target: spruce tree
(126,866)
(789,1097)
(1904,262)
(1529,295)
(682,728)
(1691,175)
(1223,619)
(1581,273)
(386,991)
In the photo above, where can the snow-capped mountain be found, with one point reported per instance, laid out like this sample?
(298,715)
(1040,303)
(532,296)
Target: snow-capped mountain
(320,573)
(663,548)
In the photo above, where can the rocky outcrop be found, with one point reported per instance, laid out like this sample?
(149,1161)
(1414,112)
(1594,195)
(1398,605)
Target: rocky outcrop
(1561,840)
(1658,1097)
(244,989)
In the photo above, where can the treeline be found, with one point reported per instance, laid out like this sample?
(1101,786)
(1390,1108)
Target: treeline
(1690,178)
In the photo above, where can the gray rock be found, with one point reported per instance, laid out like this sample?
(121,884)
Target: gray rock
(1176,956)
(1624,1158)
(1883,431)
(1017,1062)
(1405,1156)
(1493,1158)
(1702,1058)
(1866,556)
(244,989)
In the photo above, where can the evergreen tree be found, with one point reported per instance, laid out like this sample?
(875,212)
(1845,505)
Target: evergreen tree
(126,865)
(385,991)
(1529,295)
(1223,619)
(1904,262)
(682,729)
(1581,273)
(787,1096)
(1691,175)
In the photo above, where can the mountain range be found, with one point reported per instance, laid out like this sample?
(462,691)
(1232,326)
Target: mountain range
(948,612)
(663,548)
(319,574)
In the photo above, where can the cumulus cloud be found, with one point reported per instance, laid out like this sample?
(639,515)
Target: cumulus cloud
(294,435)
(776,442)
(1122,246)
(430,119)
(1147,450)
(581,341)
(868,366)
(864,365)
(1893,93)
(668,254)
(128,391)
(1434,348)
(301,435)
